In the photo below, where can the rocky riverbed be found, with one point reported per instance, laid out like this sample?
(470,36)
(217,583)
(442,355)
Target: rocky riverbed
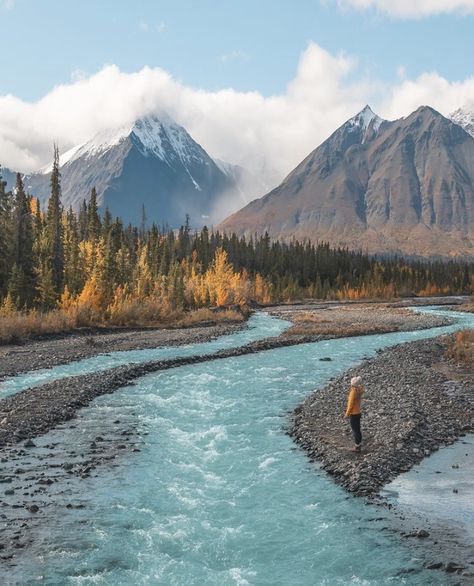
(49,351)
(315,322)
(36,411)
(311,323)
(413,405)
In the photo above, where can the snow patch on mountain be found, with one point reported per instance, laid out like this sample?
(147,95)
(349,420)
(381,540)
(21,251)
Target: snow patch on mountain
(365,120)
(155,136)
(464,117)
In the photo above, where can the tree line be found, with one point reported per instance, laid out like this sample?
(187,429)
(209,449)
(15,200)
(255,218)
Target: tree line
(94,265)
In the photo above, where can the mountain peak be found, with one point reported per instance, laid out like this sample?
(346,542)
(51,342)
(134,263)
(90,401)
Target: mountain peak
(408,189)
(151,161)
(427,111)
(365,118)
(464,117)
(156,135)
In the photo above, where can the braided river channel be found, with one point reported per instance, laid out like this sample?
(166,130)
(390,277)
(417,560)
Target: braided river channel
(218,493)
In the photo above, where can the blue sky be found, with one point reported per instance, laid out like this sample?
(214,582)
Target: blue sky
(247,45)
(259,83)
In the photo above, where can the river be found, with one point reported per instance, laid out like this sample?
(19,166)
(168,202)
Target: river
(218,494)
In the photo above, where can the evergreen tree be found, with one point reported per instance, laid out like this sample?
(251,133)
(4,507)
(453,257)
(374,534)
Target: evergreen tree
(93,218)
(54,231)
(6,237)
(83,221)
(22,253)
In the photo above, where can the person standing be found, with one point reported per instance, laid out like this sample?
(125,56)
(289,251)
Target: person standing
(353,410)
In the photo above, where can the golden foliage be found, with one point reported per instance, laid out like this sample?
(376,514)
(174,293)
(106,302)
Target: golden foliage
(461,348)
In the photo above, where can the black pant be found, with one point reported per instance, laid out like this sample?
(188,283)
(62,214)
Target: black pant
(355,426)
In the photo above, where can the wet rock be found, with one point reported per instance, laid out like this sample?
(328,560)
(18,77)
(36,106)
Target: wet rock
(29,444)
(33,508)
(434,565)
(454,568)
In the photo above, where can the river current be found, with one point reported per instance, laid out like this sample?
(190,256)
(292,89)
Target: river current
(219,494)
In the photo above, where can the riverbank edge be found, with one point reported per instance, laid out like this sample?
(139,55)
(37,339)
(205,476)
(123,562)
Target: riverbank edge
(411,408)
(58,350)
(37,410)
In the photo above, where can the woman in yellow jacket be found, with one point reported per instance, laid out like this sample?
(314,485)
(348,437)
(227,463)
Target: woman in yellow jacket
(353,410)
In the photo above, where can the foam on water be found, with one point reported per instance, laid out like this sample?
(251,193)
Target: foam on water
(219,494)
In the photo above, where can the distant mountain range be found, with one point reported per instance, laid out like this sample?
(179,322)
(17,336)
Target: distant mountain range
(152,164)
(404,186)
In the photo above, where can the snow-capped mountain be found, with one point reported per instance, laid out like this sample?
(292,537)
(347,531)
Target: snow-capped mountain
(400,186)
(153,163)
(464,117)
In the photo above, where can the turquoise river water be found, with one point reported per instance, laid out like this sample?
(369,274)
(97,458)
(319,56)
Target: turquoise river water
(219,494)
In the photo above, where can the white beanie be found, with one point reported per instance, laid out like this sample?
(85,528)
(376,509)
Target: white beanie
(356,381)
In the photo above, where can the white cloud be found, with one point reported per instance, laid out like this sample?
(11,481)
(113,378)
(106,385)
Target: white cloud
(7,4)
(412,8)
(428,89)
(242,127)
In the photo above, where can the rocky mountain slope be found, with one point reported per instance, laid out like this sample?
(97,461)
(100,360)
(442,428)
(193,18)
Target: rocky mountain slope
(403,186)
(153,163)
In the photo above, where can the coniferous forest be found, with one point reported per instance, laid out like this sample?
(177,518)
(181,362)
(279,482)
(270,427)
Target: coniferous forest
(91,268)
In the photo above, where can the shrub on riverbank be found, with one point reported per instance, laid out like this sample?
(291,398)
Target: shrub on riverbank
(17,325)
(461,348)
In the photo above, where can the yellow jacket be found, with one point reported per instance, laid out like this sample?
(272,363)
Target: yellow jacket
(353,401)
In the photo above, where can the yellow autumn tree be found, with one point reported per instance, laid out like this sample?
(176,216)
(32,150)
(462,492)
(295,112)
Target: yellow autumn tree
(219,278)
(143,277)
(91,296)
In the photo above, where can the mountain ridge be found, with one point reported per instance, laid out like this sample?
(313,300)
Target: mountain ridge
(404,186)
(154,162)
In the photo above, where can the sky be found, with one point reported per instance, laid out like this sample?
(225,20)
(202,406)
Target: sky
(259,83)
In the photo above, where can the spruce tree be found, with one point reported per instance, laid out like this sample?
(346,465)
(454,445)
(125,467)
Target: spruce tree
(54,231)
(93,218)
(83,221)
(5,236)
(22,253)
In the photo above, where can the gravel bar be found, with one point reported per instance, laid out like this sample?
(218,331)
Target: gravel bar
(416,402)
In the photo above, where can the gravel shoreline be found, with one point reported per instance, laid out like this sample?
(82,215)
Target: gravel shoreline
(51,351)
(415,403)
(353,319)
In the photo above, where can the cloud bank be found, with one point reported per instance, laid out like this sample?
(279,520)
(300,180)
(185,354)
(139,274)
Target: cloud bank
(412,8)
(246,128)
